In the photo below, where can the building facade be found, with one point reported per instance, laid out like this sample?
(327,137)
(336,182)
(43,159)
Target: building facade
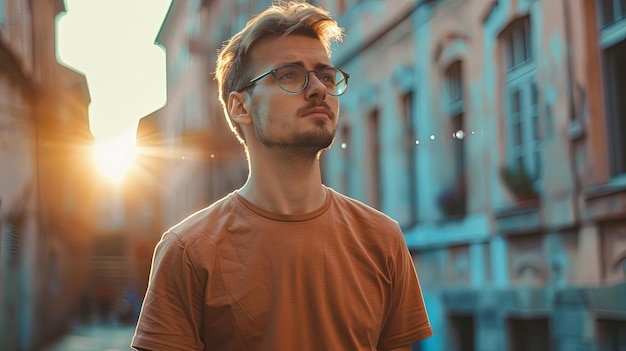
(492,131)
(203,160)
(189,157)
(44,136)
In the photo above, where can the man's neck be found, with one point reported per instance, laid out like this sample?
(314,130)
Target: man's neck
(286,186)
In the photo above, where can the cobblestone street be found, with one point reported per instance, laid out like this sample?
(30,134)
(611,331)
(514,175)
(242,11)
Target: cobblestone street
(95,338)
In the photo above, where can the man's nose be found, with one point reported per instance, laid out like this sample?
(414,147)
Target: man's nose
(315,89)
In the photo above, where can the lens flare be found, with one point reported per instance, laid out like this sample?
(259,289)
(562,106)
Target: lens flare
(116,156)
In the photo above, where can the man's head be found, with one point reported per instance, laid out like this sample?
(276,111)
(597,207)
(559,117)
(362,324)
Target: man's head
(234,66)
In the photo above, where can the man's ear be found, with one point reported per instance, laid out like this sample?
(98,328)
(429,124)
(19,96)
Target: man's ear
(238,107)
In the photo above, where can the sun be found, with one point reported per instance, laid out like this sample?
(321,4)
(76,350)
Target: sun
(116,156)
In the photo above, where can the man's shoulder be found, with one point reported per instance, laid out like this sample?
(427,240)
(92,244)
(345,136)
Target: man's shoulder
(360,208)
(370,224)
(206,222)
(363,213)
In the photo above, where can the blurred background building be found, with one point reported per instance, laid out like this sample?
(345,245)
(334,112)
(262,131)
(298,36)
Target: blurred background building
(494,131)
(45,192)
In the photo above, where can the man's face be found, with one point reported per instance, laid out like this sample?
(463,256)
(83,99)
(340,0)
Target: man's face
(305,121)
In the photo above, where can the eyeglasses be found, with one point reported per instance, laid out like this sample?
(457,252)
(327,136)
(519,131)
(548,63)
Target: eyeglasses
(294,79)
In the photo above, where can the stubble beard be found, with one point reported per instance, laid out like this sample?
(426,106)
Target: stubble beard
(306,145)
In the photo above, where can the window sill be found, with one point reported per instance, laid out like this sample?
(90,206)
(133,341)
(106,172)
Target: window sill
(613,187)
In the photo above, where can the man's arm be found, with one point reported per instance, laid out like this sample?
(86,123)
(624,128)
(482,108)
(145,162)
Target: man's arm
(171,314)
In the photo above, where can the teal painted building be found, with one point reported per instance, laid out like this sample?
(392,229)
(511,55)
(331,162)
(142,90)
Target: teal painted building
(493,131)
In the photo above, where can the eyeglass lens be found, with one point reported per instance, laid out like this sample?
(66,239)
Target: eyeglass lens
(293,78)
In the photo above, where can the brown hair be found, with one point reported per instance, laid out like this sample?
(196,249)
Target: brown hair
(279,20)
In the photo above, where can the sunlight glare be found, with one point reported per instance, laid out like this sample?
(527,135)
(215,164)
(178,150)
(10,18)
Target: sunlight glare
(116,156)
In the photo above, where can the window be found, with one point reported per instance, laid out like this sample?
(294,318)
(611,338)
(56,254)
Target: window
(611,334)
(612,11)
(613,20)
(374,163)
(615,76)
(453,198)
(463,330)
(529,334)
(1,12)
(346,175)
(454,80)
(409,151)
(523,134)
(517,42)
(454,83)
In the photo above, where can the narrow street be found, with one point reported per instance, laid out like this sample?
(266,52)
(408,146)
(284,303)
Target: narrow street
(95,337)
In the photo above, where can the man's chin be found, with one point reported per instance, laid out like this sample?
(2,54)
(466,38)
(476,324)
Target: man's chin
(315,140)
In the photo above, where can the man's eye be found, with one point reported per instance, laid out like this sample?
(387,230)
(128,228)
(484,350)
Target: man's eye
(327,77)
(288,75)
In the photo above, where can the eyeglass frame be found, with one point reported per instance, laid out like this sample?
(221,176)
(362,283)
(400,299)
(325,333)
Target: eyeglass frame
(272,71)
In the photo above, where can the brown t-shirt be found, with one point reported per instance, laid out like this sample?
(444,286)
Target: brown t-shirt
(236,277)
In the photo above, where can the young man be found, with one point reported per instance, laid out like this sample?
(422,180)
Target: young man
(284,263)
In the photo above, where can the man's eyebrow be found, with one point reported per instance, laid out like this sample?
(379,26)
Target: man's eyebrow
(322,66)
(317,66)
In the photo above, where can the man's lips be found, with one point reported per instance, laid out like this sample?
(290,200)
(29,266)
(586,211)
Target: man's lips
(320,112)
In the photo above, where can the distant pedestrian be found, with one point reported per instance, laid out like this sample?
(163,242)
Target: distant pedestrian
(104,301)
(85,308)
(129,306)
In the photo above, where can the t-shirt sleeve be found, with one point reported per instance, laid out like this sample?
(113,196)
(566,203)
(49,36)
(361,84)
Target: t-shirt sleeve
(407,320)
(171,315)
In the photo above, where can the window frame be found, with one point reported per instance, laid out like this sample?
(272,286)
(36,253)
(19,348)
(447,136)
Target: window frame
(408,99)
(613,38)
(2,13)
(618,12)
(520,77)
(615,108)
(456,115)
(374,119)
(526,151)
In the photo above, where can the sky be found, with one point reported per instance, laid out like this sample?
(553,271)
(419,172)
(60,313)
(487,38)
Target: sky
(112,42)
